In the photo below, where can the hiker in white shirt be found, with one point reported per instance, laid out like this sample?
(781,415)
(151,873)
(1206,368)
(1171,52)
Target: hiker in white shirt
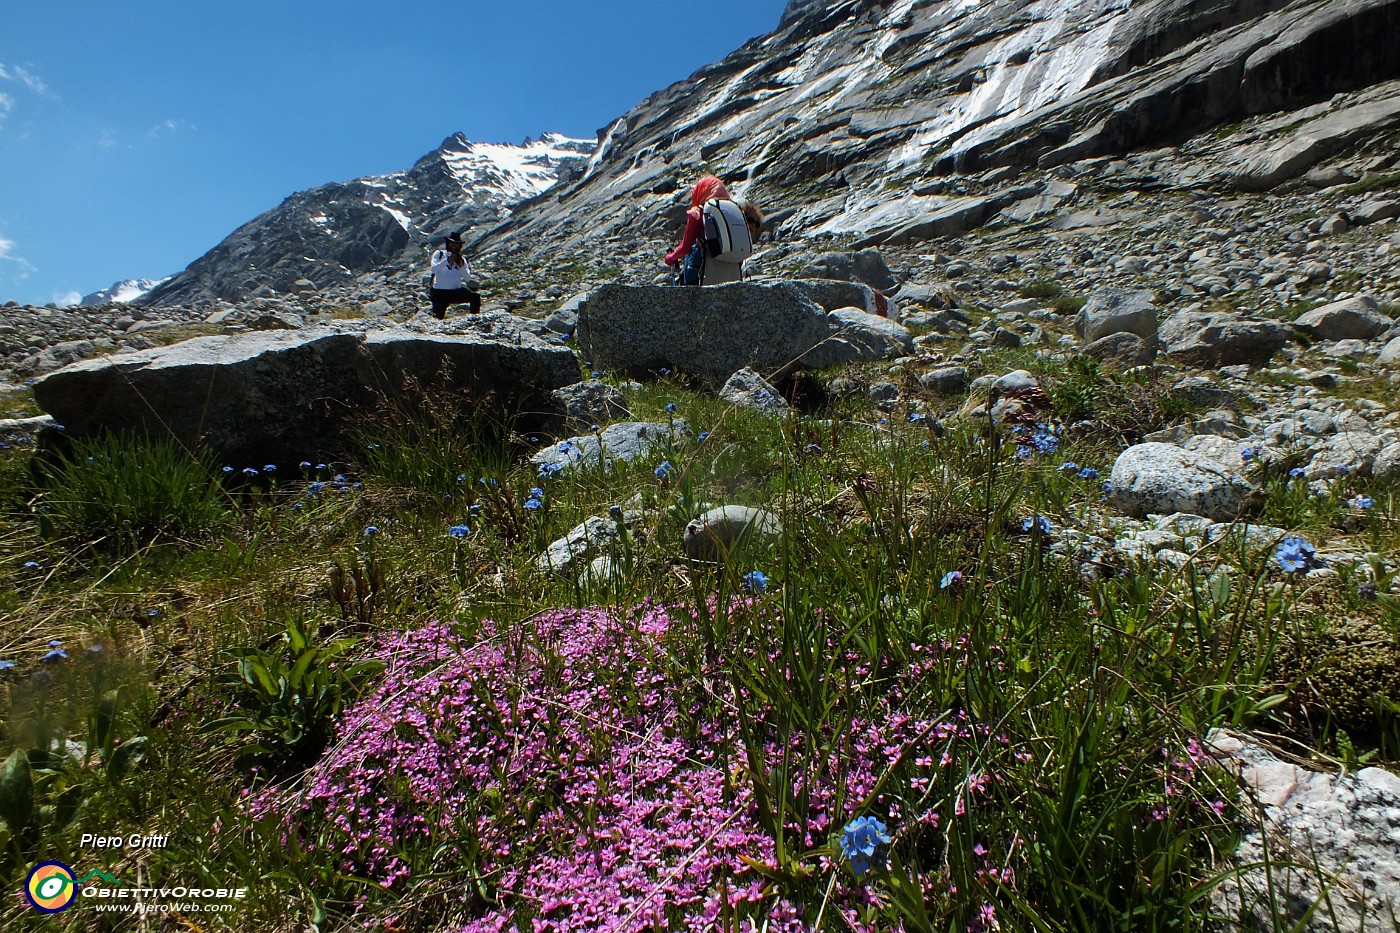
(450,277)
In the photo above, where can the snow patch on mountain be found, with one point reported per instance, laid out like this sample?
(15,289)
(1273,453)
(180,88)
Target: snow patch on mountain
(121,292)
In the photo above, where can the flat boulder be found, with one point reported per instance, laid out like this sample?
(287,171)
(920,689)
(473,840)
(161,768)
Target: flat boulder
(1162,479)
(713,332)
(1356,318)
(286,396)
(625,442)
(1212,338)
(718,532)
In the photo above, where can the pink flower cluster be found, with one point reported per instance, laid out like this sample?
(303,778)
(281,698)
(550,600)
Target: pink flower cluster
(555,755)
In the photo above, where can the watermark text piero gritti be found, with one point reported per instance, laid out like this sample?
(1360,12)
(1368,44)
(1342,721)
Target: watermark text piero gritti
(134,841)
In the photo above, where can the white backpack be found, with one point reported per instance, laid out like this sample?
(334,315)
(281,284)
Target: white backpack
(726,232)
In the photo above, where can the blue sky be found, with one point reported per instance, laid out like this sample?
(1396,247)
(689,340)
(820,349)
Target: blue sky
(136,135)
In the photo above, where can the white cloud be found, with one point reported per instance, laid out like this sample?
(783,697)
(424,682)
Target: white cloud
(28,79)
(67,299)
(7,254)
(108,140)
(170,127)
(32,81)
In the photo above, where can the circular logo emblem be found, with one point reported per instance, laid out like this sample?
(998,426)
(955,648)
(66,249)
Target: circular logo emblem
(50,887)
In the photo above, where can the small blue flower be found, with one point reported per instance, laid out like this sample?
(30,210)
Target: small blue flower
(305,464)
(664,470)
(859,841)
(953,579)
(461,478)
(1045,442)
(1341,469)
(371,531)
(1038,524)
(250,471)
(1367,592)
(320,466)
(665,371)
(1024,452)
(56,643)
(615,513)
(315,487)
(57,654)
(227,469)
(1249,453)
(917,417)
(458,531)
(6,665)
(704,436)
(32,565)
(299,504)
(1363,502)
(670,408)
(270,468)
(1088,473)
(1297,473)
(536,493)
(152,613)
(1069,466)
(1295,555)
(755,581)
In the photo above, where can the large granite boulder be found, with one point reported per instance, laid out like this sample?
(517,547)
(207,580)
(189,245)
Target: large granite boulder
(1163,479)
(1211,338)
(711,333)
(1118,311)
(286,396)
(1356,318)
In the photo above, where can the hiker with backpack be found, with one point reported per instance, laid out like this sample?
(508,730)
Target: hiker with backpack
(450,282)
(719,236)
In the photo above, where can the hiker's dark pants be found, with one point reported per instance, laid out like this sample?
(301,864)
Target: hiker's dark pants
(444,297)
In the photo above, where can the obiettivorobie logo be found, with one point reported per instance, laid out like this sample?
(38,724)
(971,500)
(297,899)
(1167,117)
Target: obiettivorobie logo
(51,886)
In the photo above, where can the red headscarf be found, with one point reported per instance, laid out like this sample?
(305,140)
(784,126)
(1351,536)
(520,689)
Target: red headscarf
(707,189)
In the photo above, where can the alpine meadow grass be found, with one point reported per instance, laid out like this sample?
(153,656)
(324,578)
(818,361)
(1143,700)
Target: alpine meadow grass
(925,706)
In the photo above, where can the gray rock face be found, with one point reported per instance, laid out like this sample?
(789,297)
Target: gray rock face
(591,402)
(1201,391)
(947,380)
(714,332)
(1386,466)
(1390,353)
(1163,478)
(1352,319)
(1127,349)
(866,266)
(857,336)
(1118,311)
(1348,452)
(1347,823)
(292,395)
(625,442)
(747,389)
(596,537)
(721,530)
(1205,338)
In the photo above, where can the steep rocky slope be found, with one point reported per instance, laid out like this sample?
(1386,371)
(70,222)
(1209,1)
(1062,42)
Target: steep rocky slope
(873,116)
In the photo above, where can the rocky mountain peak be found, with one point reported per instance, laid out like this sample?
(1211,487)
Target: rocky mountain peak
(327,236)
